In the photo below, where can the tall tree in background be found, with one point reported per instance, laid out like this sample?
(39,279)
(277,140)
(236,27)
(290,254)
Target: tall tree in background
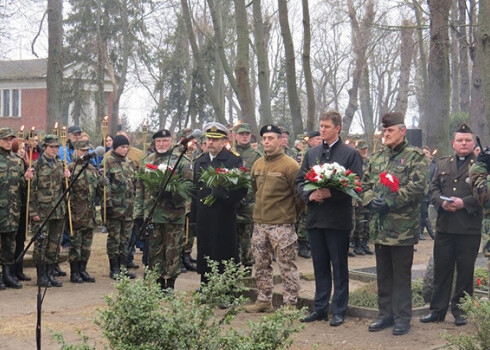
(310,92)
(406,54)
(294,102)
(54,79)
(439,82)
(464,97)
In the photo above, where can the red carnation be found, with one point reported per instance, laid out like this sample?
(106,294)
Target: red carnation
(151,166)
(244,169)
(390,181)
(358,189)
(348,172)
(346,184)
(478,281)
(358,183)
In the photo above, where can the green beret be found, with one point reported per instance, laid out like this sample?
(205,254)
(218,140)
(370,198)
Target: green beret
(82,144)
(50,140)
(392,118)
(243,127)
(464,128)
(361,144)
(6,132)
(270,128)
(161,134)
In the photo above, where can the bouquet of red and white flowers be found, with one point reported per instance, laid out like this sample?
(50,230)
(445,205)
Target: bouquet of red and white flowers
(230,179)
(333,176)
(154,177)
(389,181)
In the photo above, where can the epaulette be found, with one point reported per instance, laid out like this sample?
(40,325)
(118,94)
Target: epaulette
(235,153)
(199,156)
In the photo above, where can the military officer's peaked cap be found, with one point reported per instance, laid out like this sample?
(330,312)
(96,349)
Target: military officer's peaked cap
(6,132)
(361,144)
(243,127)
(50,140)
(270,128)
(215,130)
(82,144)
(392,118)
(161,133)
(464,128)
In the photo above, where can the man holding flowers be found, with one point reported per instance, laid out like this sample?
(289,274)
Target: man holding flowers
(327,183)
(393,187)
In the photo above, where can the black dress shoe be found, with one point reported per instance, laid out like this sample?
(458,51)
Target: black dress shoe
(460,320)
(431,318)
(401,328)
(314,316)
(380,324)
(336,320)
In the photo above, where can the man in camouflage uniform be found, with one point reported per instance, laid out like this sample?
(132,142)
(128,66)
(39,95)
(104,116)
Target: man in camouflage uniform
(458,228)
(395,221)
(120,172)
(245,210)
(83,198)
(12,178)
(285,144)
(360,234)
(275,212)
(165,242)
(46,188)
(480,186)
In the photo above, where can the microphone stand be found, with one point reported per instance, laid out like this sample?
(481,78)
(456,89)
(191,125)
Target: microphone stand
(146,222)
(39,237)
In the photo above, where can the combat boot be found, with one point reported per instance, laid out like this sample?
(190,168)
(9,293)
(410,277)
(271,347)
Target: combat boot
(259,306)
(304,250)
(163,284)
(358,248)
(365,247)
(84,274)
(19,271)
(170,284)
(8,277)
(57,271)
(2,285)
(52,279)
(42,278)
(114,267)
(182,266)
(75,272)
(122,262)
(186,259)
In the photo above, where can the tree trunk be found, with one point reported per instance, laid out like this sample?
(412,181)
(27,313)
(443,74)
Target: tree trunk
(464,96)
(100,73)
(294,103)
(477,118)
(54,80)
(406,53)
(439,83)
(310,92)
(455,64)
(366,106)
(262,64)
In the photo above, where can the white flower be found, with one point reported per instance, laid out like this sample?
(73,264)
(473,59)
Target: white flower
(163,167)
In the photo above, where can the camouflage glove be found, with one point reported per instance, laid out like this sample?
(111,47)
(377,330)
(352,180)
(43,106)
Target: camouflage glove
(220,192)
(379,205)
(484,157)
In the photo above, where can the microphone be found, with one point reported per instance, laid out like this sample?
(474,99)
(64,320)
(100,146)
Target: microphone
(98,152)
(194,135)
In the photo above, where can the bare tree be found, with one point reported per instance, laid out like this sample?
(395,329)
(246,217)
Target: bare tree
(463,58)
(406,53)
(310,93)
(454,58)
(54,80)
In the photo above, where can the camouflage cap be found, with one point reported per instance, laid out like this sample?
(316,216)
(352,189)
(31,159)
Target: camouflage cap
(51,140)
(6,132)
(284,130)
(243,127)
(361,144)
(82,144)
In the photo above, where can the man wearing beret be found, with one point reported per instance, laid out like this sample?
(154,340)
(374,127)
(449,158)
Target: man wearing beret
(329,221)
(393,186)
(245,209)
(12,179)
(458,228)
(165,242)
(215,225)
(277,207)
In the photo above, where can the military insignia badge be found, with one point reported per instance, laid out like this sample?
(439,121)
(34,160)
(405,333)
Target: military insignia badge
(269,127)
(402,161)
(214,128)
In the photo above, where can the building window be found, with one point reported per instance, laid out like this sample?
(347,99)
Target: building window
(10,102)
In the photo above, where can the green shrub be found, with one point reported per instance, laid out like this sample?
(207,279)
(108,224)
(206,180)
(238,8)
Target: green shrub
(480,278)
(367,296)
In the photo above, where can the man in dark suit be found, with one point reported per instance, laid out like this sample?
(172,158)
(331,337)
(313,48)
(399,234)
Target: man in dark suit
(216,225)
(329,221)
(458,228)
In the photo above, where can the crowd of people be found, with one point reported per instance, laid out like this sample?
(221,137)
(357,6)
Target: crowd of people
(277,218)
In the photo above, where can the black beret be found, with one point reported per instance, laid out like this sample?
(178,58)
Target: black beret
(270,128)
(392,118)
(162,133)
(464,128)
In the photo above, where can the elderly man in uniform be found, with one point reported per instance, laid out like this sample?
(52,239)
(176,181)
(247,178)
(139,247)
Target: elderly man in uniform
(458,228)
(285,143)
(395,220)
(276,209)
(329,221)
(165,242)
(12,178)
(245,210)
(215,225)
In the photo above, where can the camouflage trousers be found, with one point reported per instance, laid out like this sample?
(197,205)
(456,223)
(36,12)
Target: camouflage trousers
(49,252)
(244,233)
(165,246)
(80,244)
(282,241)
(187,247)
(118,237)
(361,228)
(7,247)
(301,230)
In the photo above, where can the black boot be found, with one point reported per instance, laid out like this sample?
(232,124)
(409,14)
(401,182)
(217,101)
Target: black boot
(75,272)
(19,271)
(115,269)
(171,283)
(52,279)
(162,283)
(186,258)
(42,278)
(365,247)
(57,271)
(358,248)
(84,274)
(122,262)
(182,266)
(8,277)
(2,285)
(304,250)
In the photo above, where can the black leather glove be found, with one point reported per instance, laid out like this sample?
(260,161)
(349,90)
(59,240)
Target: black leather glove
(220,192)
(379,205)
(484,158)
(138,222)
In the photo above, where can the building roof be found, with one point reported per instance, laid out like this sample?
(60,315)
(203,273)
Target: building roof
(24,69)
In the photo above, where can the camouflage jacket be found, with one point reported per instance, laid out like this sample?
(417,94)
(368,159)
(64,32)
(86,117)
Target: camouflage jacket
(168,210)
(83,195)
(120,192)
(246,208)
(47,186)
(399,227)
(480,186)
(12,170)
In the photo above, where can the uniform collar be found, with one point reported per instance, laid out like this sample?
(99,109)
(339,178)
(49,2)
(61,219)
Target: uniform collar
(278,154)
(242,147)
